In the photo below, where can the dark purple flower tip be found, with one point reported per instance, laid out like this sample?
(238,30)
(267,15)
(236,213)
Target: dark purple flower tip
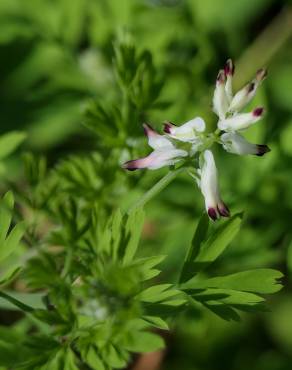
(262,149)
(229,68)
(251,87)
(261,74)
(167,127)
(258,111)
(221,77)
(130,165)
(212,214)
(148,130)
(223,210)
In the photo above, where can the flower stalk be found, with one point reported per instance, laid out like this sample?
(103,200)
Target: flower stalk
(157,188)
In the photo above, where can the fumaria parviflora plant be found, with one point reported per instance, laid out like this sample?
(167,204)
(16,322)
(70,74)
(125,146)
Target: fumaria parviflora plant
(88,299)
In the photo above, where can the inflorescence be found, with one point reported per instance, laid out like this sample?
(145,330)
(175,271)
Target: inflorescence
(189,141)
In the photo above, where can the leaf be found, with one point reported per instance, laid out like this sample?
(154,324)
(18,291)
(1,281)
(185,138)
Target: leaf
(9,142)
(93,360)
(229,297)
(9,276)
(175,302)
(155,321)
(262,281)
(8,243)
(142,341)
(194,250)
(225,312)
(12,241)
(113,357)
(70,361)
(6,207)
(146,264)
(133,230)
(116,222)
(49,317)
(217,242)
(157,293)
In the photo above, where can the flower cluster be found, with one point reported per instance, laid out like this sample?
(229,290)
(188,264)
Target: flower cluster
(189,141)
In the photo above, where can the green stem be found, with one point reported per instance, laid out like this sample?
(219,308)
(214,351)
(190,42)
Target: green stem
(156,189)
(24,307)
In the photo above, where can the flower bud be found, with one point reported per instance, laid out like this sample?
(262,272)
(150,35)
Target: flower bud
(210,188)
(220,99)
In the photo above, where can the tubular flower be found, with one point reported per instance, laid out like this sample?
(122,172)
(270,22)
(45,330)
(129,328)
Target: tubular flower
(190,143)
(210,189)
(241,121)
(220,98)
(246,94)
(164,153)
(235,143)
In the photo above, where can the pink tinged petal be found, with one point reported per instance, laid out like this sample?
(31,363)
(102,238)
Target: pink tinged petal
(223,209)
(157,159)
(229,68)
(156,140)
(135,164)
(258,112)
(212,213)
(220,98)
(241,121)
(168,127)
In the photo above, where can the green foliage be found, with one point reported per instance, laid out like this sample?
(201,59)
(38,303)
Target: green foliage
(96,299)
(98,307)
(224,295)
(117,123)
(86,283)
(9,238)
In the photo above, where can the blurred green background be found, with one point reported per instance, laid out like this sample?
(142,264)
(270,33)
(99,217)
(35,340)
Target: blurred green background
(56,56)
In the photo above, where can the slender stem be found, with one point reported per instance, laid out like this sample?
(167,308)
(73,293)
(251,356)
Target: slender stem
(24,307)
(156,189)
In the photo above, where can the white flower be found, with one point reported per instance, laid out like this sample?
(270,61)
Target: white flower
(246,94)
(188,132)
(241,121)
(235,143)
(226,105)
(243,97)
(210,188)
(220,98)
(164,153)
